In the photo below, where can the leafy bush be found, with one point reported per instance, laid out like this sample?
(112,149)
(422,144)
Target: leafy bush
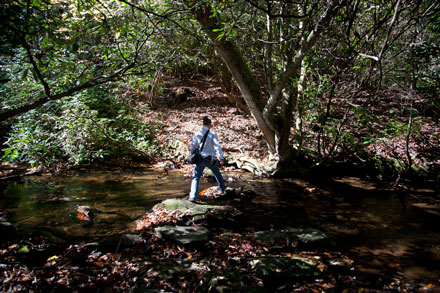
(90,126)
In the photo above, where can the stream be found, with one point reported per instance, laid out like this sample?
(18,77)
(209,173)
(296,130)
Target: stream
(378,225)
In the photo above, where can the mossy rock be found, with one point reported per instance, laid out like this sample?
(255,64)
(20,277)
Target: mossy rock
(171,268)
(279,267)
(186,207)
(184,234)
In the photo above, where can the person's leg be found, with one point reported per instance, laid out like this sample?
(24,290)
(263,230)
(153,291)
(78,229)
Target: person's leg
(218,176)
(197,173)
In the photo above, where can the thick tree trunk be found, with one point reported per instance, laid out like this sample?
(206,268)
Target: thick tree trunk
(226,82)
(283,147)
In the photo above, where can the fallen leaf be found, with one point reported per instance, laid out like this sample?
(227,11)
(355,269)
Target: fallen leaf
(55,257)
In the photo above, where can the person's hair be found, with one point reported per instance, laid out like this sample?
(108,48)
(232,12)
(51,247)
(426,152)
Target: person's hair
(206,121)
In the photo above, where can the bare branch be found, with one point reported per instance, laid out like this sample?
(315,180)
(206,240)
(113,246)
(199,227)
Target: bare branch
(280,15)
(37,70)
(396,12)
(332,7)
(375,58)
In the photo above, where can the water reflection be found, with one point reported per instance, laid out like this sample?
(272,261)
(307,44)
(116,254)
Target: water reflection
(48,204)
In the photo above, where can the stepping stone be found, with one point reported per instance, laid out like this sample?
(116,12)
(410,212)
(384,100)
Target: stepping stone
(283,267)
(183,234)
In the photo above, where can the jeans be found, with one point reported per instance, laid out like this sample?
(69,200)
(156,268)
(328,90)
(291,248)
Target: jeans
(198,171)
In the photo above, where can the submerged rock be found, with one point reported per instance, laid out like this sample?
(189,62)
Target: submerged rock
(85,213)
(7,230)
(301,236)
(283,267)
(183,234)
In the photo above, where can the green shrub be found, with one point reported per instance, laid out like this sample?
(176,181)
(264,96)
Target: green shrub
(88,127)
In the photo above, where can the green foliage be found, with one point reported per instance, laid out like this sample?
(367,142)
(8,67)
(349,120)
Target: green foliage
(54,47)
(428,75)
(21,86)
(178,150)
(88,127)
(387,167)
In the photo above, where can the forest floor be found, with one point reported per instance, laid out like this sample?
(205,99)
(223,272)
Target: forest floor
(181,117)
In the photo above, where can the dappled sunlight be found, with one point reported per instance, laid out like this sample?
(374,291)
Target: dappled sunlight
(357,182)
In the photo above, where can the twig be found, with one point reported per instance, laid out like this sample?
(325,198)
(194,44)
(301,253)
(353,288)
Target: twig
(408,136)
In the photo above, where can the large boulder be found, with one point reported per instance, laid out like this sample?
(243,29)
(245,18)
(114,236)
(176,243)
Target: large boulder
(183,234)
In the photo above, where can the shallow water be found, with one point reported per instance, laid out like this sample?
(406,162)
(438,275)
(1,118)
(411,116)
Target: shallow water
(382,228)
(49,204)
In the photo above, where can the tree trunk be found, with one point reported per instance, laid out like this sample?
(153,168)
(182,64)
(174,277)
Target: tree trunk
(274,116)
(248,85)
(226,83)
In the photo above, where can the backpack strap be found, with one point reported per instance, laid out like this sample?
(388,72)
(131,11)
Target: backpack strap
(204,140)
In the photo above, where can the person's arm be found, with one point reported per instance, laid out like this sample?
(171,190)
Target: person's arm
(218,148)
(194,144)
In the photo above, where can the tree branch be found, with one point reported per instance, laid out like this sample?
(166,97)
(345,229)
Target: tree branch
(332,7)
(91,83)
(163,16)
(384,47)
(281,15)
(37,70)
